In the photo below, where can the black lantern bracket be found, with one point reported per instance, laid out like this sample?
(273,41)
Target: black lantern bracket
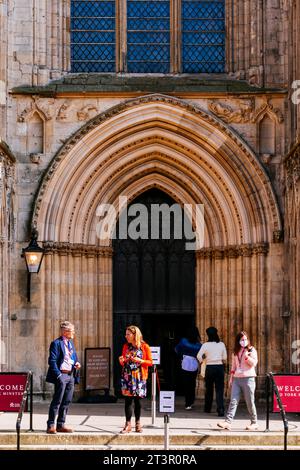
(33,255)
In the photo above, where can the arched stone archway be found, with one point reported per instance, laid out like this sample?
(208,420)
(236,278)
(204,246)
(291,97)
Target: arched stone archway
(159,141)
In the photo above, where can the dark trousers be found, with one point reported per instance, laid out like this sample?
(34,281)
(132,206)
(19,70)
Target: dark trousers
(189,384)
(214,376)
(137,408)
(63,394)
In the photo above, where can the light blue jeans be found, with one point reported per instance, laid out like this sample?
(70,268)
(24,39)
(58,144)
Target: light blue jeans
(247,386)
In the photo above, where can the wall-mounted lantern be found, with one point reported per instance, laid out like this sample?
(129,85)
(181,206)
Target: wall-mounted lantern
(33,255)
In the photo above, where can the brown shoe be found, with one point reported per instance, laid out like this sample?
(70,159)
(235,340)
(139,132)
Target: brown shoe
(138,427)
(64,429)
(51,430)
(127,428)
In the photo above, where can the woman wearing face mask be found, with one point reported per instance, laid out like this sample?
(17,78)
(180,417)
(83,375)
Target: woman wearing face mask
(242,380)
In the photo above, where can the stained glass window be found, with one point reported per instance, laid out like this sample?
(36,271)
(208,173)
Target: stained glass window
(148,36)
(144,36)
(203,36)
(93,40)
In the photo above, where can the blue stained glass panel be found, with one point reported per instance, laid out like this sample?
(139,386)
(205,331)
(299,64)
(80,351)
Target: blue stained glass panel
(93,37)
(203,36)
(148,36)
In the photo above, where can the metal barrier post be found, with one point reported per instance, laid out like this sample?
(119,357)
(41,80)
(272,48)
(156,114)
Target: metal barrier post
(166,434)
(268,402)
(31,402)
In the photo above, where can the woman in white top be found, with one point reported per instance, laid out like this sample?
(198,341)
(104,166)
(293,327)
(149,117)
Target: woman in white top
(214,351)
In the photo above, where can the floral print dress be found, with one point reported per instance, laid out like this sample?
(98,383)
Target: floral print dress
(132,384)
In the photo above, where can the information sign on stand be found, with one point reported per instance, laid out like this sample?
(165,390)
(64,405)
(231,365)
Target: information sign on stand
(155,351)
(97,368)
(166,406)
(167,402)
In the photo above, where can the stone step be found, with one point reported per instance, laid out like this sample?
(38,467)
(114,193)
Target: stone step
(147,447)
(104,439)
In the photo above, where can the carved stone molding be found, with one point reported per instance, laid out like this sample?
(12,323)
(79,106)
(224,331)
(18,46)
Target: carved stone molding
(186,169)
(245,114)
(44,107)
(267,108)
(76,249)
(87,112)
(63,112)
(233,251)
(229,115)
(292,165)
(7,195)
(172,102)
(67,112)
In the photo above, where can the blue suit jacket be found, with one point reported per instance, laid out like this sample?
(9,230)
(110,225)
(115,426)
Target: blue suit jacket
(56,358)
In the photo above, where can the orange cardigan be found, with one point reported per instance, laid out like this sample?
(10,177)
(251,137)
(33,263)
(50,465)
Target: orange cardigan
(147,358)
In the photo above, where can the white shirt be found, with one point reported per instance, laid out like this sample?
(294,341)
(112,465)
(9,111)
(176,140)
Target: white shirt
(215,353)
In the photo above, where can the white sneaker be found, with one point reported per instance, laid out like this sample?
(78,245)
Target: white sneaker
(224,425)
(252,427)
(188,407)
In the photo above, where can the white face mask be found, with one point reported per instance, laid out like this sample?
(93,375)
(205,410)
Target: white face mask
(244,343)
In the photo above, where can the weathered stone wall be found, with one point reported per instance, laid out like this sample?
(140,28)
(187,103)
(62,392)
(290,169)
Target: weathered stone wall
(39,118)
(291,183)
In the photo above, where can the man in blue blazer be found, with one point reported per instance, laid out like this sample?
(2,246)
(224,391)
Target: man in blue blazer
(63,372)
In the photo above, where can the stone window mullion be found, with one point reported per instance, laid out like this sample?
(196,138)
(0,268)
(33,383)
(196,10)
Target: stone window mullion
(175,36)
(121,35)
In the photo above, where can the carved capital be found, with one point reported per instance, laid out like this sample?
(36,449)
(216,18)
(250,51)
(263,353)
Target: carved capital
(232,252)
(277,236)
(217,253)
(261,249)
(246,250)
(204,253)
(76,249)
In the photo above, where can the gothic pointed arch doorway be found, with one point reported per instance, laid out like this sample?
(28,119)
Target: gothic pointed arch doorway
(154,288)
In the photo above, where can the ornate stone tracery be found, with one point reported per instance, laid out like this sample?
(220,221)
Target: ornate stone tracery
(7,238)
(245,112)
(44,108)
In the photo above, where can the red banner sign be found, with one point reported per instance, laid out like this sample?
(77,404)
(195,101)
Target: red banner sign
(12,387)
(289,391)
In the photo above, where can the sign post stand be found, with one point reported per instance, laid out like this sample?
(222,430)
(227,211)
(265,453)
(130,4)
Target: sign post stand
(166,405)
(155,351)
(31,403)
(153,404)
(166,432)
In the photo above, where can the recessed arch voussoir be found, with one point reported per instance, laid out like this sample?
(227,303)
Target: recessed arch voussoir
(206,160)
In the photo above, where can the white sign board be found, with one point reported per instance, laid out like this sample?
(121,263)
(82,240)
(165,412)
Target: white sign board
(167,402)
(155,351)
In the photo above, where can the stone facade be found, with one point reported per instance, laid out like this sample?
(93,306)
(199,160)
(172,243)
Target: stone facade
(227,141)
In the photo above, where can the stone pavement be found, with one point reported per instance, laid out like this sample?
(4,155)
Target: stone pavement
(99,425)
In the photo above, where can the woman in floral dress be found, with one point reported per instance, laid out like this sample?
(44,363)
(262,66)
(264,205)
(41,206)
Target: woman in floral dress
(135,360)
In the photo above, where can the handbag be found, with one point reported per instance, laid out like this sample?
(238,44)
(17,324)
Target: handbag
(203,368)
